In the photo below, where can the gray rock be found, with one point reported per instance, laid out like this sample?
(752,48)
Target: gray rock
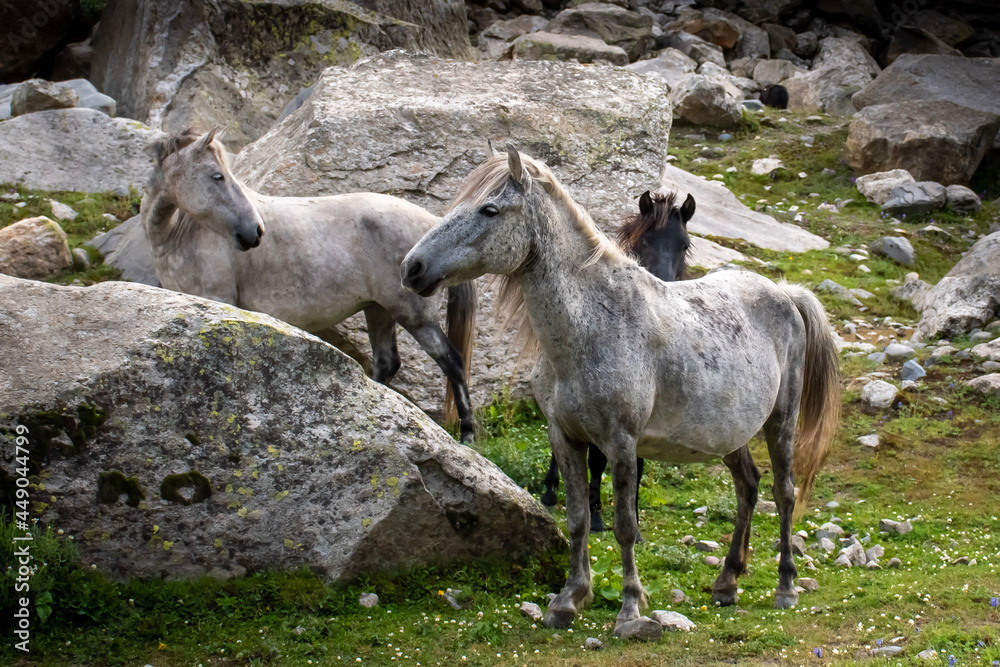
(374,128)
(496,41)
(877,357)
(34,248)
(856,554)
(989,350)
(966,297)
(886,651)
(62,211)
(830,531)
(962,199)
(90,97)
(898,527)
(752,105)
(987,384)
(531,610)
(127,249)
(703,100)
(694,47)
(875,552)
(826,89)
(670,65)
(678,596)
(797,543)
(878,394)
(173,64)
(773,71)
(899,351)
(766,507)
(706,545)
(780,37)
(81,259)
(808,584)
(981,336)
(909,39)
(630,31)
(916,197)
(843,561)
(581,48)
(844,53)
(871,440)
(673,621)
(894,564)
(938,141)
(877,187)
(838,291)
(826,544)
(928,654)
(40,95)
(806,44)
(593,644)
(642,629)
(712,561)
(368,600)
(912,371)
(861,293)
(75,149)
(237,465)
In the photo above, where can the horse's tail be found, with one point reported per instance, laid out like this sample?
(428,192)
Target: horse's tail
(461,332)
(819,408)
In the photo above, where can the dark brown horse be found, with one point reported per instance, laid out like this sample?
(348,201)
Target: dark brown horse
(657,237)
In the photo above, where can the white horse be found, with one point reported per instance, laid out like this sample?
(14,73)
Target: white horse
(679,371)
(322,259)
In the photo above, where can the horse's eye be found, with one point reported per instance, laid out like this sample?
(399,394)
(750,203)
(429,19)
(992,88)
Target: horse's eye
(489,210)
(218,176)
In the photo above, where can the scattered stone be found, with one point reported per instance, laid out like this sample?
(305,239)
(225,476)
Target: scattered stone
(894,564)
(808,584)
(962,200)
(830,531)
(593,644)
(878,186)
(701,511)
(861,293)
(912,371)
(875,552)
(898,527)
(712,561)
(899,351)
(630,31)
(496,41)
(706,545)
(843,560)
(933,231)
(81,259)
(678,596)
(886,651)
(368,600)
(826,544)
(768,72)
(688,540)
(961,560)
(915,198)
(696,48)
(987,384)
(673,621)
(90,97)
(839,291)
(766,507)
(878,394)
(531,610)
(896,248)
(62,211)
(36,95)
(35,248)
(928,654)
(581,48)
(642,629)
(670,65)
(856,553)
(871,441)
(704,100)
(765,166)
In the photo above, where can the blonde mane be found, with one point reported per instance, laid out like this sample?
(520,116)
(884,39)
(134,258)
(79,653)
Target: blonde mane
(493,175)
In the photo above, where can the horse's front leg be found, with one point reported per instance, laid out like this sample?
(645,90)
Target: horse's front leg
(629,624)
(746,478)
(577,593)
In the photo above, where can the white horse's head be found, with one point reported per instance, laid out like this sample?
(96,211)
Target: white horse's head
(195,174)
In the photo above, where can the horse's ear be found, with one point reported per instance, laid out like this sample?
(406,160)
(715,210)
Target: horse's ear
(209,137)
(645,203)
(687,209)
(517,169)
(493,151)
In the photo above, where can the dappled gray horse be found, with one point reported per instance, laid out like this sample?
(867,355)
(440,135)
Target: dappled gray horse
(680,371)
(310,261)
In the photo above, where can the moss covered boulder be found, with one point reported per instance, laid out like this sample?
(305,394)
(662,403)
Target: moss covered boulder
(172,436)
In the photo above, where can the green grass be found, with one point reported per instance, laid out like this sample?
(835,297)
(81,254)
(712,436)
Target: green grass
(938,463)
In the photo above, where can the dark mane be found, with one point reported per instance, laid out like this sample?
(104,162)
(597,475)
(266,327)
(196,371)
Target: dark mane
(637,225)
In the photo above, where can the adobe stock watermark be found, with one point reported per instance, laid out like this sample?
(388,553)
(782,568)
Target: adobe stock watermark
(902,12)
(26,30)
(22,542)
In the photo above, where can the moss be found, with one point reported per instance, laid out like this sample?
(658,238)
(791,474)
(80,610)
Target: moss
(111,485)
(171,485)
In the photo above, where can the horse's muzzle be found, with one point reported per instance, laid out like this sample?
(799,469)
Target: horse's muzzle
(414,277)
(248,241)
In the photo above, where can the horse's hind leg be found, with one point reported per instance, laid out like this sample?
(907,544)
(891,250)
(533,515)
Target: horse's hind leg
(382,336)
(577,593)
(779,430)
(746,478)
(551,483)
(435,343)
(597,462)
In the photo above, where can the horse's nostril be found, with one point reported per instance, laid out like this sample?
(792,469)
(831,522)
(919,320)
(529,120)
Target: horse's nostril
(416,269)
(260,232)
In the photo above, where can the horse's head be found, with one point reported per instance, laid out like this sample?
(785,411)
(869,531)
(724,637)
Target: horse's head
(657,236)
(195,173)
(486,231)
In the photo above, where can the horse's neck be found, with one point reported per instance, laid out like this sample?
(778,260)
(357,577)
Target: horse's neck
(161,219)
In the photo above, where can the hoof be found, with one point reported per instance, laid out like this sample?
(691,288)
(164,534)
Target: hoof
(724,598)
(558,619)
(549,498)
(641,629)
(468,437)
(597,522)
(785,600)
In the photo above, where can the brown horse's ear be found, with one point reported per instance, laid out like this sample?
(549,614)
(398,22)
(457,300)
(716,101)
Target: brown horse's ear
(687,209)
(645,203)
(517,169)
(209,137)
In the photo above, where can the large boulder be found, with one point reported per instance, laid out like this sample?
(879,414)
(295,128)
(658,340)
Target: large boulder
(31,31)
(176,437)
(34,248)
(127,249)
(970,82)
(828,89)
(90,97)
(694,47)
(497,40)
(630,31)
(915,197)
(670,65)
(174,63)
(40,95)
(720,213)
(75,149)
(705,100)
(739,37)
(934,140)
(581,48)
(845,53)
(877,187)
(909,39)
(967,297)
(417,125)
